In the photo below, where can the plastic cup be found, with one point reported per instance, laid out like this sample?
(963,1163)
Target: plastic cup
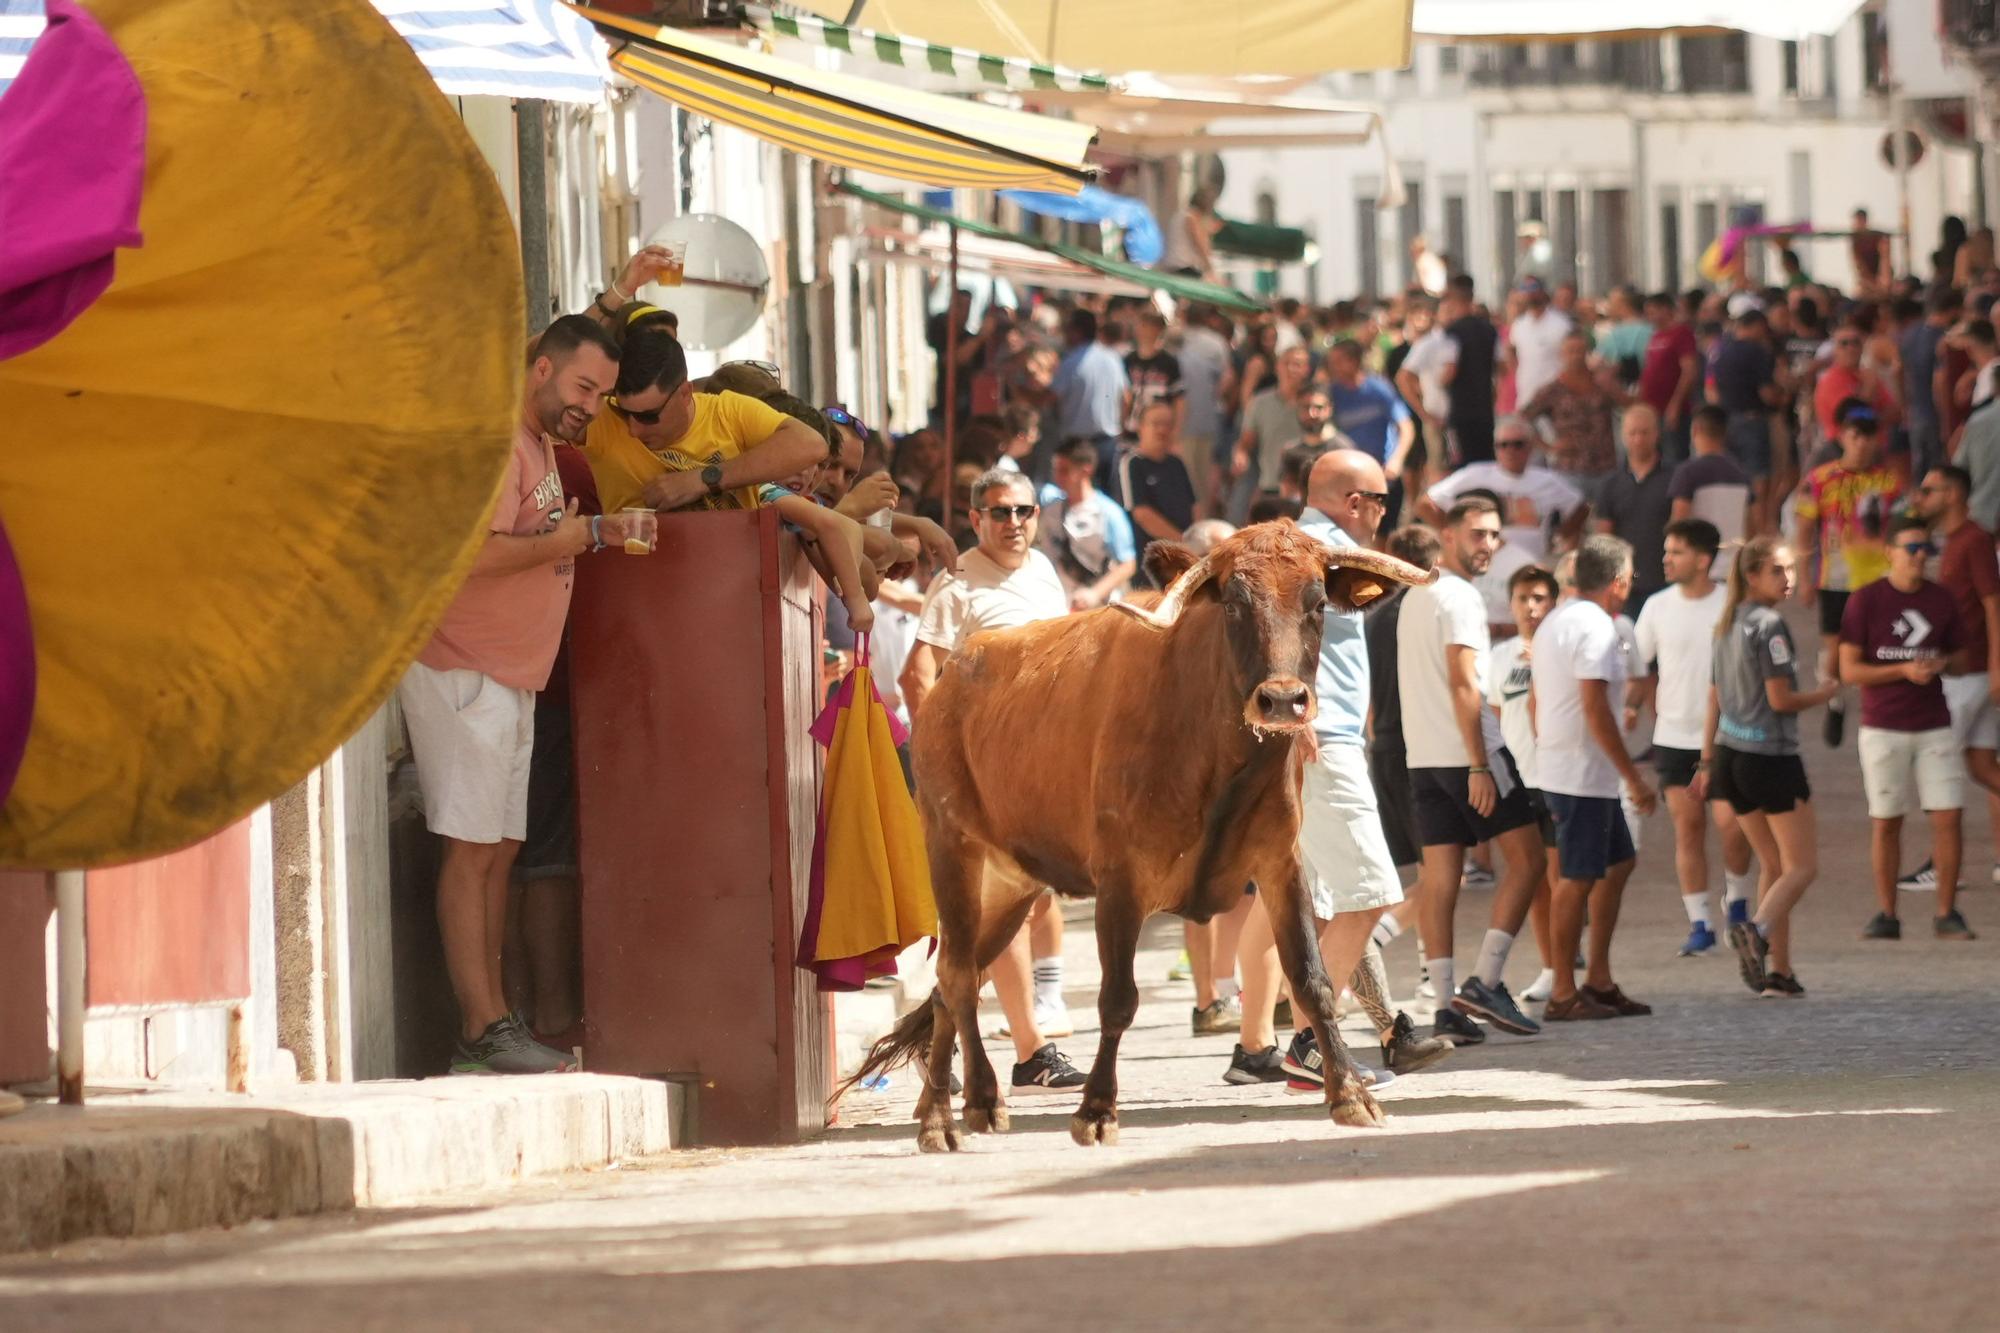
(675,268)
(642,530)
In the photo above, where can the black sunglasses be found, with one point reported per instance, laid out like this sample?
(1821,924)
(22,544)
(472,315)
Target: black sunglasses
(1510,442)
(651,418)
(1378,497)
(1010,513)
(840,416)
(1918,548)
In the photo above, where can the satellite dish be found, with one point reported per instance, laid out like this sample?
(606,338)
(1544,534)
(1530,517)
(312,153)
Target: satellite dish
(724,280)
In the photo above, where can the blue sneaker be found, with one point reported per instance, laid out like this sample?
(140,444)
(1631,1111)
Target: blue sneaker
(1739,912)
(1495,1005)
(1700,940)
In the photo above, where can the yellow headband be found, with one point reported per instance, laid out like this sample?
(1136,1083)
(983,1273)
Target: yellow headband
(640,312)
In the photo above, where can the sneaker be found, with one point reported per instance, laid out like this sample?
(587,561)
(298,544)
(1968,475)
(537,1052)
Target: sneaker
(1543,986)
(1751,951)
(1406,1052)
(1495,1005)
(1213,1019)
(1426,991)
(1576,1009)
(1617,1001)
(1247,1067)
(1182,970)
(1699,941)
(1047,1070)
(1921,880)
(1304,1071)
(1882,926)
(1477,878)
(1454,1027)
(1835,725)
(1779,986)
(1739,912)
(507,1048)
(1054,1020)
(1951,926)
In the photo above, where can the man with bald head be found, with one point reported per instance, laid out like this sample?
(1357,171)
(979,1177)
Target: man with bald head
(1349,870)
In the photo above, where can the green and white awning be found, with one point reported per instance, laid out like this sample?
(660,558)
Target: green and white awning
(908,53)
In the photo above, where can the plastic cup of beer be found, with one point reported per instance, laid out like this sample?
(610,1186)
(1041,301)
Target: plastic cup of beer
(642,530)
(675,269)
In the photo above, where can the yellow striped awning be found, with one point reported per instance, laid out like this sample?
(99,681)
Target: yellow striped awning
(850,121)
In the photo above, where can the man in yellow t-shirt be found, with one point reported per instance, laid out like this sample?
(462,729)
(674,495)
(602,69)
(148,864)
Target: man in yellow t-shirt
(667,447)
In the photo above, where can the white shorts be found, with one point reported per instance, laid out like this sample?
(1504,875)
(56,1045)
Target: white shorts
(1907,771)
(473,738)
(1975,725)
(1347,862)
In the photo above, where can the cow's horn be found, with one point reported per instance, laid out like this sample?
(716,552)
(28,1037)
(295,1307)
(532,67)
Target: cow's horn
(1179,591)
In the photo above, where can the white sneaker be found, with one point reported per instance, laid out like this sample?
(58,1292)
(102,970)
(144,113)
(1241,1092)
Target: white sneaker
(1054,1020)
(1426,991)
(1541,987)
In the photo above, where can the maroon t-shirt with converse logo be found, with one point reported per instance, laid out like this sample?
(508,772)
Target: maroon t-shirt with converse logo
(1891,627)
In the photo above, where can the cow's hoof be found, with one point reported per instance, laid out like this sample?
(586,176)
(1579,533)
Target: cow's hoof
(978,1121)
(1091,1129)
(1357,1110)
(938,1138)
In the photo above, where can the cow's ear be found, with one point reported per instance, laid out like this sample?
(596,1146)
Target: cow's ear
(1350,588)
(1167,561)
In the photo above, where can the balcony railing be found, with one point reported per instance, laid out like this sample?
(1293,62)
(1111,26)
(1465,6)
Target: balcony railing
(1716,64)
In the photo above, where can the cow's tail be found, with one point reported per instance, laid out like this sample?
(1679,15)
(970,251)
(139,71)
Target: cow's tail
(908,1040)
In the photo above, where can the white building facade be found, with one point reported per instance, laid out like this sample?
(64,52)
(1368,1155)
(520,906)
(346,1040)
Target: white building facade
(1633,154)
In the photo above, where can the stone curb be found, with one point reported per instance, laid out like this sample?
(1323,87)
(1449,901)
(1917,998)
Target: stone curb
(150,1163)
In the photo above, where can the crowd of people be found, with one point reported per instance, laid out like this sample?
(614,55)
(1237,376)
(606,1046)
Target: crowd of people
(1621,498)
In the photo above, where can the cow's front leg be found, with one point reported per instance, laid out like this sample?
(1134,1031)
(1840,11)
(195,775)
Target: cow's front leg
(1348,1101)
(1118,921)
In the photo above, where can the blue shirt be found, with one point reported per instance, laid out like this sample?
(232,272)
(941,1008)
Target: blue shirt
(1368,414)
(1342,681)
(1090,388)
(1084,540)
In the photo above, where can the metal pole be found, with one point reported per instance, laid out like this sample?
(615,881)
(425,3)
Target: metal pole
(1899,120)
(531,150)
(69,987)
(951,336)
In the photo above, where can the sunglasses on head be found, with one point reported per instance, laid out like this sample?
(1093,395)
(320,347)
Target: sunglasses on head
(840,416)
(650,417)
(1010,513)
(768,367)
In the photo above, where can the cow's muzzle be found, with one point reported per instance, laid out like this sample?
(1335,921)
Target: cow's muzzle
(1282,703)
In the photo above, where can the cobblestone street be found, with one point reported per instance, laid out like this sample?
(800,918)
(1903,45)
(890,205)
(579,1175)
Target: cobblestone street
(1754,1163)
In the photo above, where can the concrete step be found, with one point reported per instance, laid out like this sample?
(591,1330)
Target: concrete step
(151,1162)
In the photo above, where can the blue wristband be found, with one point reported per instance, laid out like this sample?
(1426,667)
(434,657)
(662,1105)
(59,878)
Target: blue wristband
(596,540)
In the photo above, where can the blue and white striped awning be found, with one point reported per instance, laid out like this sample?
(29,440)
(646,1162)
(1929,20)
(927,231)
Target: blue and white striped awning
(500,48)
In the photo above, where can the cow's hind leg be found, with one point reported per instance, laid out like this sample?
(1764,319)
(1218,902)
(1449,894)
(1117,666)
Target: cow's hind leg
(1348,1102)
(1118,921)
(956,869)
(936,1131)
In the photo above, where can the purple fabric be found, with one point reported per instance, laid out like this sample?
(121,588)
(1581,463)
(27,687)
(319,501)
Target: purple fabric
(72,163)
(17,668)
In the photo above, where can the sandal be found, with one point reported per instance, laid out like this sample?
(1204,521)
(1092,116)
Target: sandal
(1576,1008)
(1616,1000)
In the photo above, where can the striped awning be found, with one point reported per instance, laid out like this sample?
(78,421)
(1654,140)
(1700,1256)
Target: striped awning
(956,62)
(852,122)
(500,48)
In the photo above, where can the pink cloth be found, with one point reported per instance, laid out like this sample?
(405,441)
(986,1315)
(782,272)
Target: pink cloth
(72,163)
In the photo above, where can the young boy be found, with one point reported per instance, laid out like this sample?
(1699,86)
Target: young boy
(1531,595)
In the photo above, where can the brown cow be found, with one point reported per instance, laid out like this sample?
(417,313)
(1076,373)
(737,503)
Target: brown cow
(1151,756)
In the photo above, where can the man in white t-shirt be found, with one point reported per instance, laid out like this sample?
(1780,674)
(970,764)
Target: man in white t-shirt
(1004,583)
(1580,761)
(1677,637)
(1533,499)
(1534,341)
(1463,784)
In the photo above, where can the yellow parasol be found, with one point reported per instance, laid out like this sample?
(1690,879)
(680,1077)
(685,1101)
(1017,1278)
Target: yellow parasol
(244,483)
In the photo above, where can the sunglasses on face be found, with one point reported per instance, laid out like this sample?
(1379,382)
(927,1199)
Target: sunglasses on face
(1847,342)
(647,418)
(840,416)
(1373,497)
(1510,443)
(1917,548)
(1010,513)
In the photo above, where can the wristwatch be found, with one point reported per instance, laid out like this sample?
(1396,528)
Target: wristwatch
(711,477)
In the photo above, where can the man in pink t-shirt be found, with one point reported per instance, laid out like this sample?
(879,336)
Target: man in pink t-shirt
(469,699)
(1848,378)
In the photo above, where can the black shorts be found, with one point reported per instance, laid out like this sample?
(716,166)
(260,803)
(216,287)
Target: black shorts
(1771,784)
(549,851)
(1544,821)
(1445,818)
(1675,767)
(1392,801)
(1832,606)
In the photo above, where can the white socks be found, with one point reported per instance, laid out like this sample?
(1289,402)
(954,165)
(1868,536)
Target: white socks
(1049,983)
(1440,971)
(1739,888)
(1493,956)
(1697,908)
(1386,930)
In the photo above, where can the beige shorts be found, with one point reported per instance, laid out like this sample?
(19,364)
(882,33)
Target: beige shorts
(472,737)
(1974,721)
(1347,862)
(1908,771)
